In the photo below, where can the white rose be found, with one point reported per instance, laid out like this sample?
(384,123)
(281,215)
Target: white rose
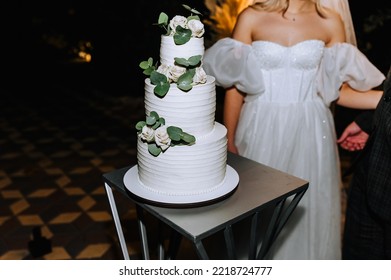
(196,27)
(161,138)
(177,20)
(199,76)
(176,72)
(147,134)
(165,70)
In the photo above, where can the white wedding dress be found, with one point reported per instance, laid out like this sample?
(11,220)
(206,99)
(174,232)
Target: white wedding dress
(286,123)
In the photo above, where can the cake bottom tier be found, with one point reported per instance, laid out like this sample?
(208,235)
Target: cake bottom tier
(185,170)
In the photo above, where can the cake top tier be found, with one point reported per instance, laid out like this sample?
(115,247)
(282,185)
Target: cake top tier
(181,52)
(182,28)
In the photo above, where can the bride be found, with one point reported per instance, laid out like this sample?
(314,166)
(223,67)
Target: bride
(282,68)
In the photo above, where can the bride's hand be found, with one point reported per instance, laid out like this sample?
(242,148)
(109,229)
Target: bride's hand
(233,149)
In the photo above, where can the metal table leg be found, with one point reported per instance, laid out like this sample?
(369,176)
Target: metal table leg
(253,236)
(117,221)
(229,242)
(278,220)
(201,252)
(143,233)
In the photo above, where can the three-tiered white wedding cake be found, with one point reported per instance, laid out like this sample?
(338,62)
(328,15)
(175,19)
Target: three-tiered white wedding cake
(184,169)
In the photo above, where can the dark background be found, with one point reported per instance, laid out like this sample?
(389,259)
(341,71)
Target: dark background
(64,122)
(120,34)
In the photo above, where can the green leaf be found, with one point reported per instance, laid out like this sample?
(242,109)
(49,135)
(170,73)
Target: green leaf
(182,35)
(153,149)
(150,61)
(140,125)
(191,61)
(158,78)
(161,83)
(156,126)
(144,65)
(191,9)
(151,120)
(188,138)
(163,19)
(174,133)
(159,122)
(162,121)
(154,114)
(186,7)
(194,60)
(181,61)
(161,89)
(193,17)
(149,71)
(185,80)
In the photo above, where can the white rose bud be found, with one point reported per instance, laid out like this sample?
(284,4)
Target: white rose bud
(199,76)
(161,138)
(165,70)
(177,20)
(147,134)
(196,27)
(176,72)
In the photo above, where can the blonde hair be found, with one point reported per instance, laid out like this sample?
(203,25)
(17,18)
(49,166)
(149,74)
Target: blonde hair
(282,6)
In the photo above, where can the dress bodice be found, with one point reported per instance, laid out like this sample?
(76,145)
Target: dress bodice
(307,71)
(289,72)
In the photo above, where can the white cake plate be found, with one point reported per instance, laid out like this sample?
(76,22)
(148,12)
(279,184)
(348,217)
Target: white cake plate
(137,190)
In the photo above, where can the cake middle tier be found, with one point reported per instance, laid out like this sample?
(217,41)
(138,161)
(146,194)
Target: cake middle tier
(193,111)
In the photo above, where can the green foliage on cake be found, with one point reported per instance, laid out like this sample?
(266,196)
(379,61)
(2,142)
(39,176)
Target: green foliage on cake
(160,137)
(185,72)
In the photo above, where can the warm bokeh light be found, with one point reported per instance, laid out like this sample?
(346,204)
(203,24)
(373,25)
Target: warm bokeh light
(223,14)
(85,56)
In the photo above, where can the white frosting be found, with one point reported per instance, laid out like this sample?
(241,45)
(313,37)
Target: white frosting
(169,50)
(193,111)
(186,170)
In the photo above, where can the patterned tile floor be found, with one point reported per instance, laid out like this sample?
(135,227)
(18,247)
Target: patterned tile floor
(53,152)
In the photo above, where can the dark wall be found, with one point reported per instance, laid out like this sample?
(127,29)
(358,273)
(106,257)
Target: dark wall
(121,36)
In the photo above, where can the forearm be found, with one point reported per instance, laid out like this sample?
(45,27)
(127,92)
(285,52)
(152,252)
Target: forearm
(354,99)
(233,102)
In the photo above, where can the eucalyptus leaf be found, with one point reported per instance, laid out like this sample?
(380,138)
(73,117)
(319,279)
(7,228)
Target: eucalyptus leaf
(150,120)
(181,61)
(161,89)
(156,126)
(163,19)
(158,78)
(191,9)
(162,121)
(186,7)
(182,35)
(175,133)
(194,60)
(188,138)
(140,125)
(144,65)
(153,149)
(193,17)
(196,12)
(185,80)
(154,114)
(148,71)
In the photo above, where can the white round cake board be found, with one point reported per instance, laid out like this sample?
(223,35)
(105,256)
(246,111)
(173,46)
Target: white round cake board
(134,186)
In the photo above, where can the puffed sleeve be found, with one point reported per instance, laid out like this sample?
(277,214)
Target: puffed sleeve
(345,63)
(233,63)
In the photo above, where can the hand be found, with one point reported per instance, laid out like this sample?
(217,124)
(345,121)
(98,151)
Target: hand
(233,149)
(353,138)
